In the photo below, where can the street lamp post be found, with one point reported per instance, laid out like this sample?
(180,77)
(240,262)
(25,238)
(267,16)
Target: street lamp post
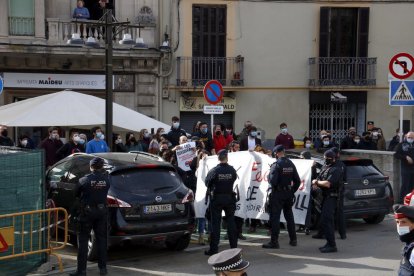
(108,78)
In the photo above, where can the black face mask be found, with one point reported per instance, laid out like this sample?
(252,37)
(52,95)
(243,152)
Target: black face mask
(329,162)
(218,132)
(4,133)
(407,238)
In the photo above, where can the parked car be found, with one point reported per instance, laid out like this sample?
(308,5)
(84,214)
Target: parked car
(367,192)
(147,200)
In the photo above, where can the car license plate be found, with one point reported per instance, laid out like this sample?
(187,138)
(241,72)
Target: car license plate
(365,192)
(157,209)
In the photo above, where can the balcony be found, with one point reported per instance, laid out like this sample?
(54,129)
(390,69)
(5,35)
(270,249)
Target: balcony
(342,71)
(58,31)
(196,71)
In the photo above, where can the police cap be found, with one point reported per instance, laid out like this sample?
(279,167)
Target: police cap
(96,163)
(278,148)
(228,260)
(403,211)
(329,154)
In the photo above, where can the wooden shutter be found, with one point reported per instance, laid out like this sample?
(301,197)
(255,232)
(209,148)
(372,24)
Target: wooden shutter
(363,28)
(324,31)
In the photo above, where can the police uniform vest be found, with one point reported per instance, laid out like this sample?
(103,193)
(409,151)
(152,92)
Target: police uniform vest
(285,170)
(406,269)
(324,175)
(224,177)
(94,189)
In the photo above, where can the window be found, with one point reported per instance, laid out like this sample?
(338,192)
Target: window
(21,17)
(59,173)
(79,169)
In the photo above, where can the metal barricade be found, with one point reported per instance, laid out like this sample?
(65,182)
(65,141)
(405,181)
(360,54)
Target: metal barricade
(33,232)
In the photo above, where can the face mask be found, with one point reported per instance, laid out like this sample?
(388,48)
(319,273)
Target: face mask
(55,136)
(76,138)
(81,141)
(146,135)
(357,141)
(4,133)
(253,133)
(102,137)
(308,146)
(326,143)
(176,125)
(204,130)
(98,135)
(402,230)
(24,143)
(229,130)
(218,132)
(284,130)
(410,140)
(118,141)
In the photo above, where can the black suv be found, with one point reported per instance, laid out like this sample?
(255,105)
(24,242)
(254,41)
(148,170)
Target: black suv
(368,193)
(147,200)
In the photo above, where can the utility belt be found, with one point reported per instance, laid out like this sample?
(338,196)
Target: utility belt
(282,188)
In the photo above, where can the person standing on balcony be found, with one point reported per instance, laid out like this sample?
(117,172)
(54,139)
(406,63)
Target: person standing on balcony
(80,12)
(284,138)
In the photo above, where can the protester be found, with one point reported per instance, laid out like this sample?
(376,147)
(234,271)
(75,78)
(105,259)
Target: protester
(4,139)
(348,141)
(307,143)
(97,144)
(72,146)
(118,145)
(230,132)
(378,138)
(220,138)
(405,152)
(394,141)
(51,145)
(366,142)
(175,132)
(284,138)
(132,144)
(154,145)
(196,128)
(326,144)
(245,132)
(205,136)
(318,141)
(250,141)
(25,142)
(144,138)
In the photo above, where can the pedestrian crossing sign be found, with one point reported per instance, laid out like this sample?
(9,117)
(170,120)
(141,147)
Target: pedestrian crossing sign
(401,92)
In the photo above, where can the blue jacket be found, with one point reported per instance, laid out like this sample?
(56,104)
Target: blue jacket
(81,13)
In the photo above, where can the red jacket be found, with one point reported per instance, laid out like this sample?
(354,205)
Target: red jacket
(286,140)
(221,142)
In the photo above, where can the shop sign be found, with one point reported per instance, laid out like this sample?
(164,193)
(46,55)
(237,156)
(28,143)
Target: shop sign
(197,104)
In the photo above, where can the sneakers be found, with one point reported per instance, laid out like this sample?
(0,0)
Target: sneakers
(328,249)
(271,245)
(293,243)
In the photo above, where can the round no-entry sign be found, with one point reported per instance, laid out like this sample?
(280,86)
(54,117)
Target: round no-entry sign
(401,66)
(213,92)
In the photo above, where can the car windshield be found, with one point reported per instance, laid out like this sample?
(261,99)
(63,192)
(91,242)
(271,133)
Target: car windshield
(359,171)
(146,181)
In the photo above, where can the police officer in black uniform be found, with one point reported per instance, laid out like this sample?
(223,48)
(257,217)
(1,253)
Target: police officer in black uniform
(404,218)
(405,152)
(328,181)
(285,182)
(339,214)
(92,191)
(219,182)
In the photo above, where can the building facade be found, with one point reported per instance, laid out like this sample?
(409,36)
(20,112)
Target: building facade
(40,55)
(312,64)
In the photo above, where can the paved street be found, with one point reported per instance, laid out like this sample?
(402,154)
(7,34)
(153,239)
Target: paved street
(369,250)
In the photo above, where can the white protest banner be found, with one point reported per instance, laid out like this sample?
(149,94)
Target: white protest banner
(185,154)
(252,171)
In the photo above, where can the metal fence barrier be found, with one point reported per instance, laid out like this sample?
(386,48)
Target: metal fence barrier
(33,232)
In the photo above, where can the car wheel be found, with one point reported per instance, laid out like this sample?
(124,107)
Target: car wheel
(179,244)
(374,219)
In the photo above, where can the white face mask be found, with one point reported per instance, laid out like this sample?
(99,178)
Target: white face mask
(76,138)
(357,141)
(102,137)
(410,140)
(24,143)
(402,230)
(326,143)
(176,125)
(308,146)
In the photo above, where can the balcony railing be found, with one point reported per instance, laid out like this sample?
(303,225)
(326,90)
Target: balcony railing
(59,31)
(196,71)
(342,71)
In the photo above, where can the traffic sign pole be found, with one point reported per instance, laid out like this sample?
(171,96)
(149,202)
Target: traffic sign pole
(401,123)
(212,124)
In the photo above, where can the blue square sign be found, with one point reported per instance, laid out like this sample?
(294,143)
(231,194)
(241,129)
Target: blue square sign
(401,92)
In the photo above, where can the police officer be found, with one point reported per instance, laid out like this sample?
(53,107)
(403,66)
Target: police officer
(92,191)
(328,181)
(405,152)
(219,182)
(339,214)
(285,182)
(229,262)
(404,217)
